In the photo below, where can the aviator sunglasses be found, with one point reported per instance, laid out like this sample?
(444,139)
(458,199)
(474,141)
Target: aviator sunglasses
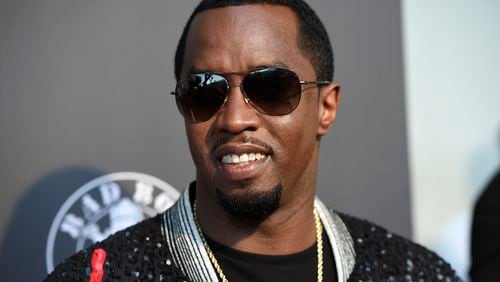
(271,91)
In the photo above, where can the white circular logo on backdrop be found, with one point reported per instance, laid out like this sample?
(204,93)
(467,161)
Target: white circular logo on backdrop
(102,207)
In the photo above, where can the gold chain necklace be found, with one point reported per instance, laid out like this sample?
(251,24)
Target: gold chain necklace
(319,242)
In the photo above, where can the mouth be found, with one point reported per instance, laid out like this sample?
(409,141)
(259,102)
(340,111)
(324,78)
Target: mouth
(237,162)
(242,159)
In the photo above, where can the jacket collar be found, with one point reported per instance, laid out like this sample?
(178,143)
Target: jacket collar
(189,254)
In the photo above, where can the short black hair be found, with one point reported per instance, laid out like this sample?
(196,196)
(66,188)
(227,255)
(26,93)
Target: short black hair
(312,38)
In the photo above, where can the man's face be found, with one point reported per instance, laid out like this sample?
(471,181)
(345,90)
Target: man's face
(233,41)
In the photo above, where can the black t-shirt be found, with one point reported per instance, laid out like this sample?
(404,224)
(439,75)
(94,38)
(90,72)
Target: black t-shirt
(242,266)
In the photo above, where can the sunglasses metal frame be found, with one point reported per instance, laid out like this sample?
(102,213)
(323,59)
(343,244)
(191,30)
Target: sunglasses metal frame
(245,96)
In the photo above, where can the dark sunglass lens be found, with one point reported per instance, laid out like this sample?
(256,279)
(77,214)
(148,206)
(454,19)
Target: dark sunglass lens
(273,91)
(200,96)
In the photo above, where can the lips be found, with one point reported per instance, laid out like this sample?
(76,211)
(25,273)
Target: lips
(241,161)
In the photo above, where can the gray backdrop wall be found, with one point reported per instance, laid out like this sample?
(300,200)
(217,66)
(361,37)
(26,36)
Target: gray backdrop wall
(84,92)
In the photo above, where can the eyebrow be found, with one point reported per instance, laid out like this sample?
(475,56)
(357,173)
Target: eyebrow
(273,64)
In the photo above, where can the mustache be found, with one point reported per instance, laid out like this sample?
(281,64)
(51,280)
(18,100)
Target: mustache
(239,139)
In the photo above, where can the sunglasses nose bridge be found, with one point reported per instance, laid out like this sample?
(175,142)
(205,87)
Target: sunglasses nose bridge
(240,86)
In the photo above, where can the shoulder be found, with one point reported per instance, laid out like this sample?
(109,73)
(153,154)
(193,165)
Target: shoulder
(136,253)
(383,255)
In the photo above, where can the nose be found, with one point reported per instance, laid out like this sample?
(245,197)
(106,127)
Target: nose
(237,115)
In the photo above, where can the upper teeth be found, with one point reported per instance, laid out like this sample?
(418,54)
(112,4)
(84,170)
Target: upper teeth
(243,158)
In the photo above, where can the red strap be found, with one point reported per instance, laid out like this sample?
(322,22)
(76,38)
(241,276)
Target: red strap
(98,259)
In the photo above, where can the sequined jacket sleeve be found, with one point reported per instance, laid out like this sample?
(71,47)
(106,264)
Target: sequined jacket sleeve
(137,253)
(384,256)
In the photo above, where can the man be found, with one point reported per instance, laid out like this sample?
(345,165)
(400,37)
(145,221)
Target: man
(485,246)
(254,87)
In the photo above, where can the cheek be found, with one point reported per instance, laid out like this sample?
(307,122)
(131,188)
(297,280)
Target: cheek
(300,127)
(196,136)
(296,134)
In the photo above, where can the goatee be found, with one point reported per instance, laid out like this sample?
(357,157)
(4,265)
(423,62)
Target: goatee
(254,206)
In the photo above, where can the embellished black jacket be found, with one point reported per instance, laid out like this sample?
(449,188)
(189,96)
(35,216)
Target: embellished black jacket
(168,247)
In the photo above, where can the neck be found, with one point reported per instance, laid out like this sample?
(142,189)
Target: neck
(288,230)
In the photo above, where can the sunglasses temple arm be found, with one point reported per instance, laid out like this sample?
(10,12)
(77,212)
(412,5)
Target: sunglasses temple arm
(320,82)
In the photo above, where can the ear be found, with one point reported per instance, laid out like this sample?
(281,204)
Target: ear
(329,99)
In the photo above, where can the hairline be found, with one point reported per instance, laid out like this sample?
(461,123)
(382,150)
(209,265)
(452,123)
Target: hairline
(300,23)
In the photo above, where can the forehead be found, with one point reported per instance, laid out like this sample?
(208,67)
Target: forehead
(238,38)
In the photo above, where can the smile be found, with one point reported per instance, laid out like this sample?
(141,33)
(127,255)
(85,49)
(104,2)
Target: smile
(242,159)
(237,161)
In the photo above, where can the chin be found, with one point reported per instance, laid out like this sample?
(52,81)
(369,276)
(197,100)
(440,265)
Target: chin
(251,204)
